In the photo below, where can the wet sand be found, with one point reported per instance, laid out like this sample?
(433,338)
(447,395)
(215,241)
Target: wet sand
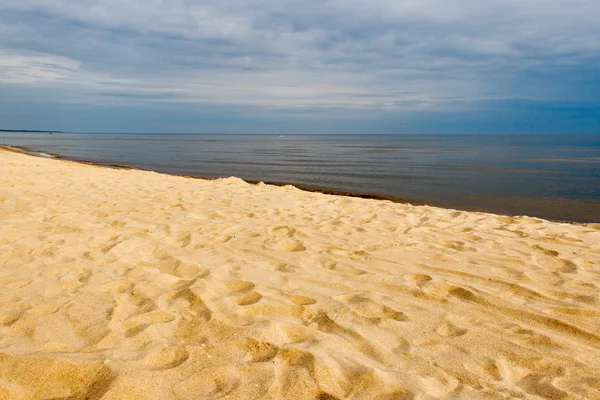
(128,284)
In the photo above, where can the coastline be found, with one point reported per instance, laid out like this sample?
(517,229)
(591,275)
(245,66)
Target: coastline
(125,283)
(308,188)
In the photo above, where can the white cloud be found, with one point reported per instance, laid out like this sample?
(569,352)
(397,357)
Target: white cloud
(31,67)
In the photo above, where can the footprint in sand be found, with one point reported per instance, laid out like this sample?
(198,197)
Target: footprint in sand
(417,279)
(569,267)
(166,358)
(259,351)
(548,252)
(286,268)
(342,269)
(288,245)
(236,286)
(541,385)
(301,300)
(522,373)
(8,318)
(486,368)
(248,298)
(447,329)
(283,231)
(11,310)
(527,337)
(371,309)
(283,267)
(139,323)
(117,286)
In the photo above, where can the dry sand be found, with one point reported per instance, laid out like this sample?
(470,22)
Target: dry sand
(125,284)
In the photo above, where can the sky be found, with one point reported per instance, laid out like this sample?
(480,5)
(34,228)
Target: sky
(310,66)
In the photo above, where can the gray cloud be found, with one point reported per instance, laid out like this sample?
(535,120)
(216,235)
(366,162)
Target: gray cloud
(349,54)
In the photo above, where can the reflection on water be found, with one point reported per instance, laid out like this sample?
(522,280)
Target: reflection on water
(549,176)
(571,160)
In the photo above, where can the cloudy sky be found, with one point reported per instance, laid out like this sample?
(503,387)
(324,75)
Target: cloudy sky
(310,66)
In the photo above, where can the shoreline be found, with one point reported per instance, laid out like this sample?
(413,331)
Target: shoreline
(307,188)
(131,284)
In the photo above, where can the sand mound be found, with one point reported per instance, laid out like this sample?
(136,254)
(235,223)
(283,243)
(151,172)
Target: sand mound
(124,284)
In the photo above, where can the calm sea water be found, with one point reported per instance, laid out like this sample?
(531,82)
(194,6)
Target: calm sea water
(547,176)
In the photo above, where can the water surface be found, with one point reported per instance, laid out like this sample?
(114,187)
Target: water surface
(548,176)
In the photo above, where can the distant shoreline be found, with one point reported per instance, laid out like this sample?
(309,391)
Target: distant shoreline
(27,131)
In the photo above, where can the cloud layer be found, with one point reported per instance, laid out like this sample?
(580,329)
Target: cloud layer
(408,56)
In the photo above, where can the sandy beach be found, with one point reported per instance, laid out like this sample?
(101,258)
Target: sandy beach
(128,284)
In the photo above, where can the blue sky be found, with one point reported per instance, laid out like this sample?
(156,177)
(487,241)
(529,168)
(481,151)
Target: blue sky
(327,66)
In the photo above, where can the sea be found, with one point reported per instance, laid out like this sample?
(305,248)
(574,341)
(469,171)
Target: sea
(554,177)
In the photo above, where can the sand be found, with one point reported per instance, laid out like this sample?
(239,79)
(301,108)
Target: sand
(127,284)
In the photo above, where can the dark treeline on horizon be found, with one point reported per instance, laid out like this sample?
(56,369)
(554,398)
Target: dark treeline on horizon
(27,131)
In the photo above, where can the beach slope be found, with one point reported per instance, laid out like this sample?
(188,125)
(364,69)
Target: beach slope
(128,284)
